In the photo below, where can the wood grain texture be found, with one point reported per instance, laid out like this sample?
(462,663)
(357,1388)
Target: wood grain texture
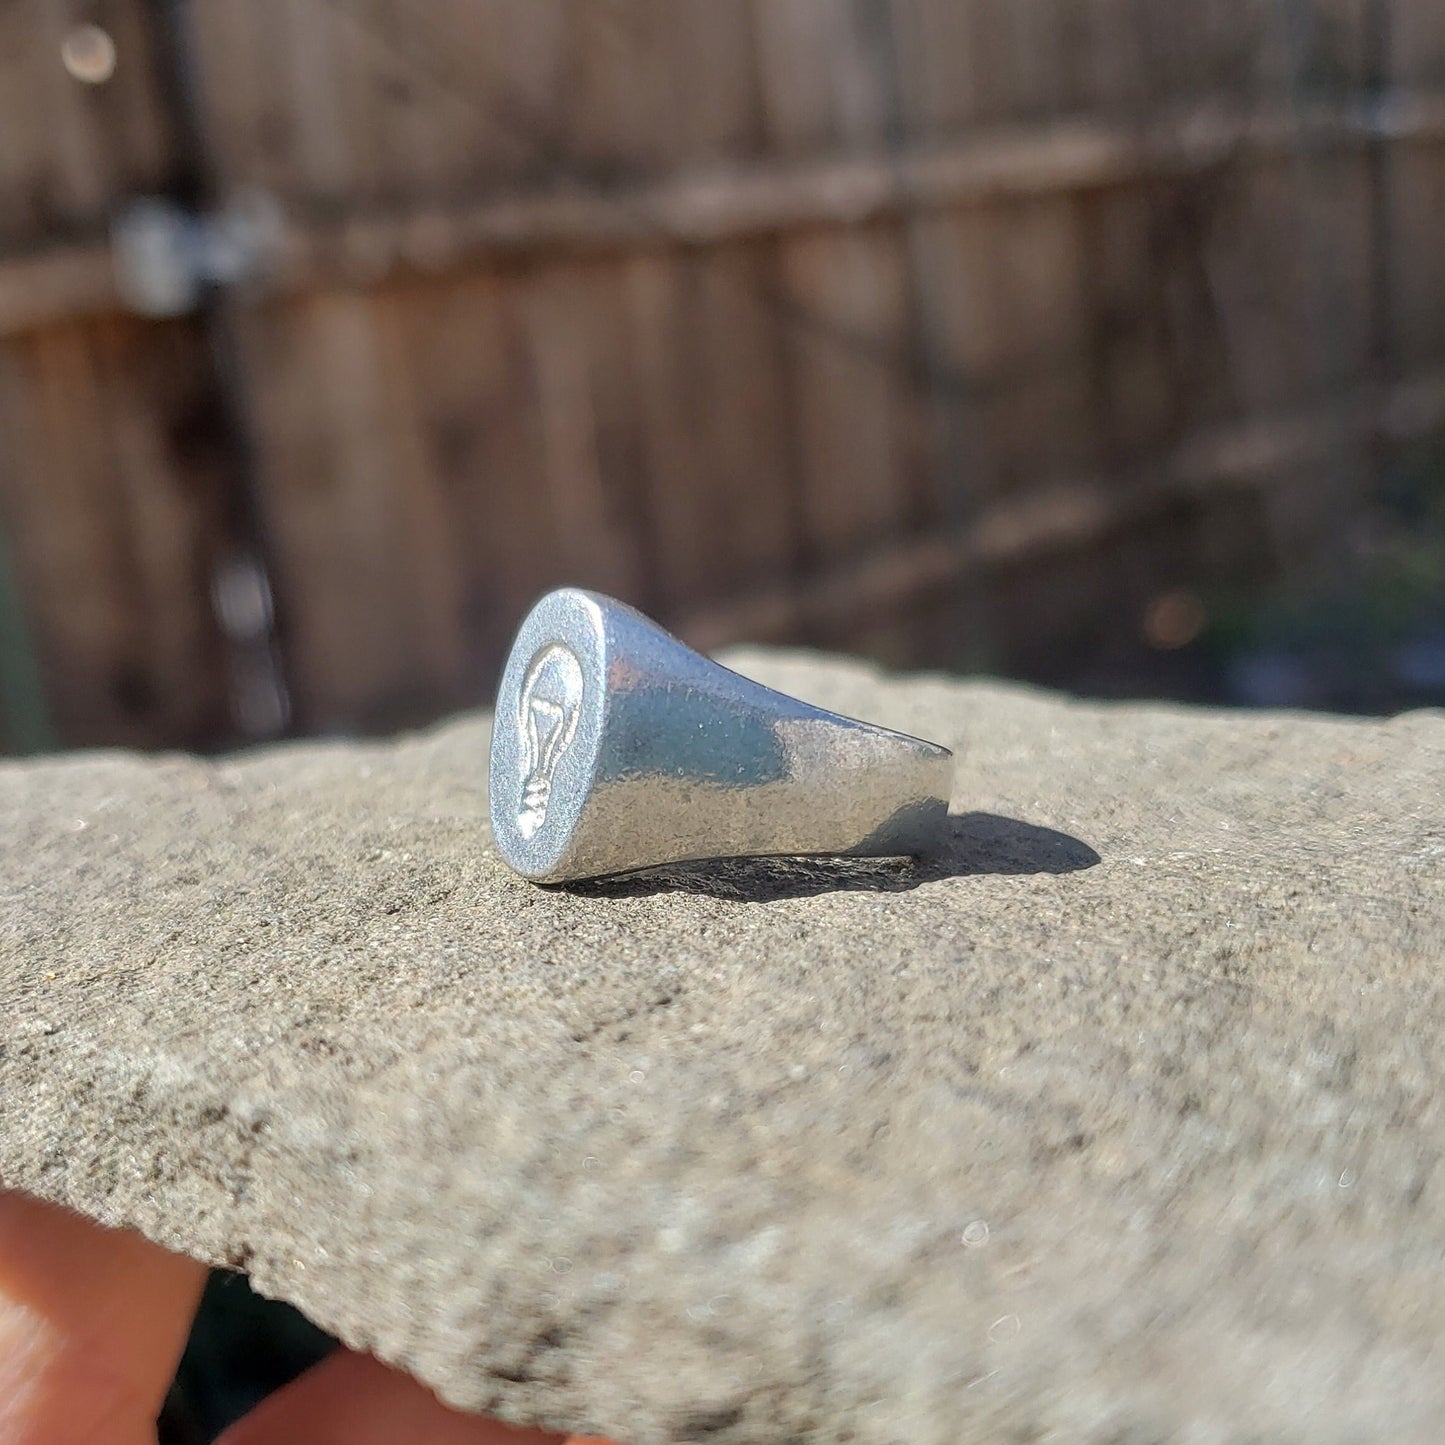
(701,302)
(110,501)
(69,151)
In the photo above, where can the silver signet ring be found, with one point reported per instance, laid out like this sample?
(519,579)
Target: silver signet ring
(616,747)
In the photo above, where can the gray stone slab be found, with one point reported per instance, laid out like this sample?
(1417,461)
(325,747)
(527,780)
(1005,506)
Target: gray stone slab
(1123,1121)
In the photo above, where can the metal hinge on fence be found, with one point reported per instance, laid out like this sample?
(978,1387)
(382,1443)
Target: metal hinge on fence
(167,258)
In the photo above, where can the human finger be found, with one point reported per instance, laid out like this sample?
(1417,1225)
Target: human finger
(92,1324)
(351,1399)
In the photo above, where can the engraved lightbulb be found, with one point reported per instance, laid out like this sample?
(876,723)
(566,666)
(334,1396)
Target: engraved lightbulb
(549,708)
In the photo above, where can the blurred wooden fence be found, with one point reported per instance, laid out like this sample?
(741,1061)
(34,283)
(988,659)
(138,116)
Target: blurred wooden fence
(927,327)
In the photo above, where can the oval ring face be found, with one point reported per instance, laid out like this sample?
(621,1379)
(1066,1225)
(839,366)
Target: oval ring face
(546,732)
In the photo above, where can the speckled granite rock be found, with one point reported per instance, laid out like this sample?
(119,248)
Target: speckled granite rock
(1122,1121)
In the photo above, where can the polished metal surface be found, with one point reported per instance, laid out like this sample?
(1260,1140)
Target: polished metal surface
(616,747)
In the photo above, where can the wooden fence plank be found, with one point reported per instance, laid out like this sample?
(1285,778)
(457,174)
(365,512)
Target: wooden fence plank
(845,308)
(485,429)
(107,499)
(70,148)
(715,78)
(1035,57)
(242,94)
(79,178)
(1110,68)
(1039,403)
(167,472)
(624,78)
(328,147)
(937,59)
(1416,35)
(1416,259)
(505,69)
(1414,177)
(129,110)
(843,296)
(469,389)
(574,329)
(708,373)
(706,344)
(1157,352)
(795,72)
(368,591)
(962,341)
(435,570)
